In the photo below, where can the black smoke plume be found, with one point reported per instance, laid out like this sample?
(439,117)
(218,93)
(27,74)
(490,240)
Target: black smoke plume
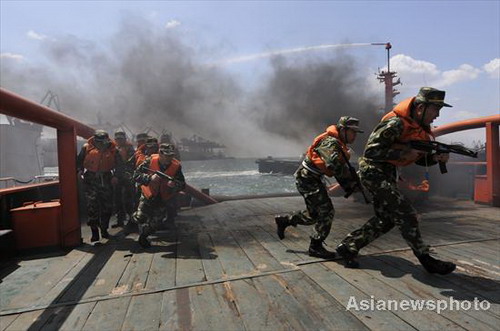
(302,98)
(146,76)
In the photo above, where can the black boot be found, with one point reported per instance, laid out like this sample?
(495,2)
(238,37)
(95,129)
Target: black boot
(143,237)
(434,266)
(131,227)
(104,233)
(347,256)
(144,241)
(282,222)
(316,249)
(95,234)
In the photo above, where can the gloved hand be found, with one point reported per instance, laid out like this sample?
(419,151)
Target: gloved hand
(444,157)
(155,178)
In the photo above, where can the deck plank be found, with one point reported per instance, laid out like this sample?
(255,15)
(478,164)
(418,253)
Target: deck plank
(107,279)
(189,268)
(169,319)
(343,291)
(421,319)
(233,259)
(255,310)
(401,278)
(259,256)
(69,317)
(212,309)
(87,276)
(210,260)
(163,265)
(321,306)
(108,315)
(32,320)
(7,320)
(53,272)
(143,313)
(135,275)
(275,247)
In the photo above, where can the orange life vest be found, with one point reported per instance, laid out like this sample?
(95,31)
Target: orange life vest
(140,155)
(411,129)
(316,158)
(161,187)
(99,161)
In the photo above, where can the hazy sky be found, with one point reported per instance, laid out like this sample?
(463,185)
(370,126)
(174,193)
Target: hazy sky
(67,46)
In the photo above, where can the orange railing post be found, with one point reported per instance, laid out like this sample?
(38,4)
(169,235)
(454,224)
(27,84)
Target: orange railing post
(486,187)
(493,166)
(66,151)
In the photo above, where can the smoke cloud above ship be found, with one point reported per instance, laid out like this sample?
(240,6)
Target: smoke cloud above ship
(152,77)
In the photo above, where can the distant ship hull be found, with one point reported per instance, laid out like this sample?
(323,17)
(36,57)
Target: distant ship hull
(278,166)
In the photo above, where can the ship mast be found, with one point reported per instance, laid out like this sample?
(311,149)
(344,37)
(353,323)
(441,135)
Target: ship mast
(387,77)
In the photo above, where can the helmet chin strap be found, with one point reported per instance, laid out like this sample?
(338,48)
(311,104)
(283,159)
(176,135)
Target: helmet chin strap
(423,115)
(344,129)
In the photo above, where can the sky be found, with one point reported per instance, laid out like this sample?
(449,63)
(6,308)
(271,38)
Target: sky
(261,77)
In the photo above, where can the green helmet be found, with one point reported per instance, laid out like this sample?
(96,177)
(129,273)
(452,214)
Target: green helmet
(167,149)
(101,136)
(429,95)
(349,122)
(120,135)
(151,142)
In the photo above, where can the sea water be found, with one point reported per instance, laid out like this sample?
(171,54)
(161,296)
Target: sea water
(229,177)
(235,177)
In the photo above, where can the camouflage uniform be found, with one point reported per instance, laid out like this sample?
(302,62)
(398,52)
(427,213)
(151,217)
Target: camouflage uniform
(150,212)
(319,207)
(123,192)
(380,178)
(310,182)
(99,191)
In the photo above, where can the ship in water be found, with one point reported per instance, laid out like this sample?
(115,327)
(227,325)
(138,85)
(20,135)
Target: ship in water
(199,148)
(282,166)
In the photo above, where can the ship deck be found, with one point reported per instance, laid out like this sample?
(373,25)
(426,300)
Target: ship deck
(222,267)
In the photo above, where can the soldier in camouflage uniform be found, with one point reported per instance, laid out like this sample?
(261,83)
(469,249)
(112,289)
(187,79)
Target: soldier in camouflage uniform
(123,192)
(385,151)
(100,164)
(156,190)
(326,156)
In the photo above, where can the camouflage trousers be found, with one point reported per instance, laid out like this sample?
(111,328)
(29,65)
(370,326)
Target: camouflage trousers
(99,196)
(150,213)
(123,199)
(391,208)
(319,207)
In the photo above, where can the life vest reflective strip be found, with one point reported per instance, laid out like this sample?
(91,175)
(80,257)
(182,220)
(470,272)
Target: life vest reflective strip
(316,159)
(99,161)
(161,187)
(411,129)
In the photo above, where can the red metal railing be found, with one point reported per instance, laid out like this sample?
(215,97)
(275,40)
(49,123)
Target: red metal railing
(67,128)
(486,188)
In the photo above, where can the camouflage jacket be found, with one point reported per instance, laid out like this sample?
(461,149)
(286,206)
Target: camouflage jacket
(142,176)
(330,152)
(379,149)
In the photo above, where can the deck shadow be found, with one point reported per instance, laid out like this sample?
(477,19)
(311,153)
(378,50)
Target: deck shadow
(457,285)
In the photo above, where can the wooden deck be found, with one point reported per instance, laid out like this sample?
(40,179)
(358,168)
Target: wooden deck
(222,267)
